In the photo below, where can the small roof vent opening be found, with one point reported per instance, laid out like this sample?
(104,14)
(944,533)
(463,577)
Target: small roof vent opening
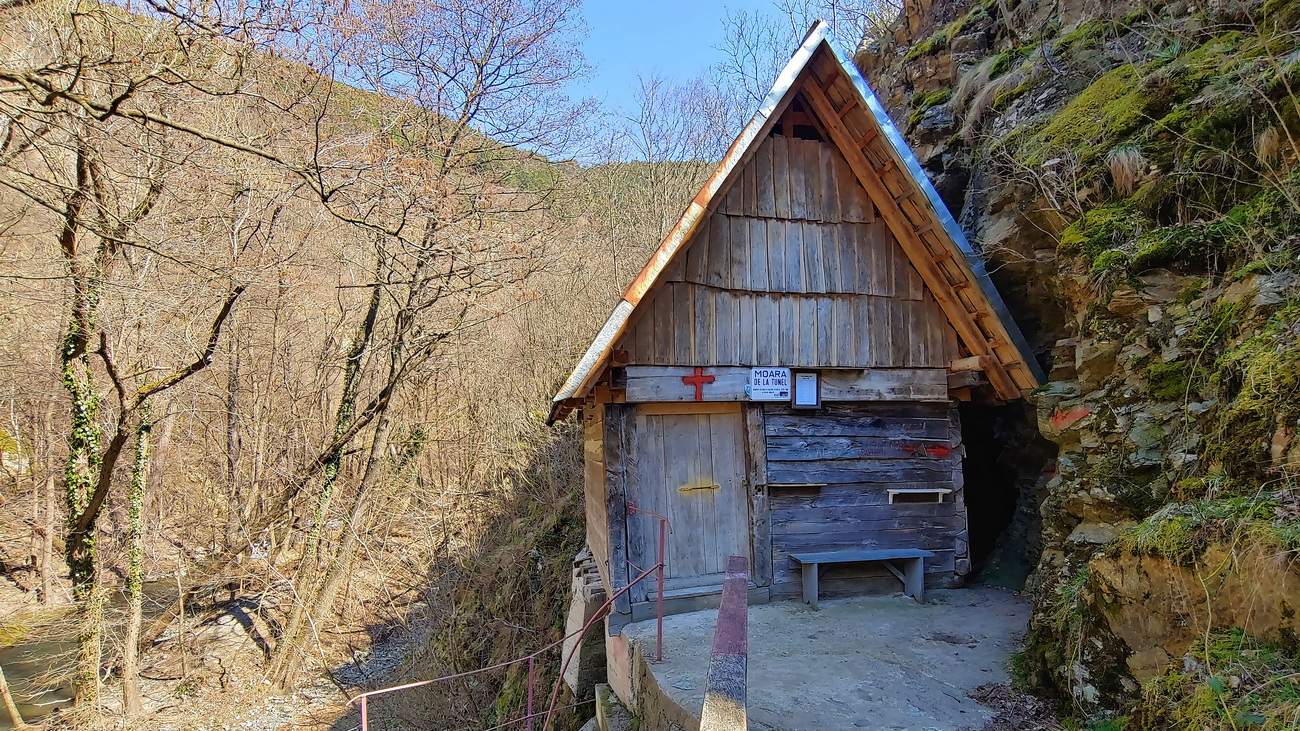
(799,123)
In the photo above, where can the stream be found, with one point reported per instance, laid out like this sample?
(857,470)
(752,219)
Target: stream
(27,662)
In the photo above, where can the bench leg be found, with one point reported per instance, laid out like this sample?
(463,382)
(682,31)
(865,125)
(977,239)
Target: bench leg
(914,583)
(809,576)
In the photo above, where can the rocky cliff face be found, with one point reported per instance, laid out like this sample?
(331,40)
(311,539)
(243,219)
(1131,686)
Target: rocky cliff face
(1130,172)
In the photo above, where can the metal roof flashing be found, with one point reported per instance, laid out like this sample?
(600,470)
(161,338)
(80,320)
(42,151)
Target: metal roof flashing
(972,259)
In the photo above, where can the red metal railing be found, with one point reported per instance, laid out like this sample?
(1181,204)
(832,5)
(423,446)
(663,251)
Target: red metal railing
(362,700)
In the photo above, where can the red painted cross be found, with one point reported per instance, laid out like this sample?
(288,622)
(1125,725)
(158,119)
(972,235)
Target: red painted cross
(698,380)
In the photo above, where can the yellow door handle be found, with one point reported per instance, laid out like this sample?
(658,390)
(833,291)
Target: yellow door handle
(690,488)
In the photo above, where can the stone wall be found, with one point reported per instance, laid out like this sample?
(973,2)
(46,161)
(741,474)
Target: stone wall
(1161,292)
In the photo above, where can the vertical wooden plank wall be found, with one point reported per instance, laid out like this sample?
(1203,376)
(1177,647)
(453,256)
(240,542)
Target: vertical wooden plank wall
(593,483)
(828,476)
(792,270)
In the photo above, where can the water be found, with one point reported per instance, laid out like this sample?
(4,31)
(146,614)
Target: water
(24,665)
(27,663)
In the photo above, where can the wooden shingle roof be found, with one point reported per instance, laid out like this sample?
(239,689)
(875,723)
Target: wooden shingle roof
(884,165)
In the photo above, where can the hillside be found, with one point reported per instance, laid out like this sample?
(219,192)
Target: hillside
(302,334)
(1129,171)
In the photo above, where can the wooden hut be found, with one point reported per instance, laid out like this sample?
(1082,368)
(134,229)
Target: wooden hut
(780,379)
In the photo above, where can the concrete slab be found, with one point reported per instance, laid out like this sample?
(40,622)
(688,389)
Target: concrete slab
(877,662)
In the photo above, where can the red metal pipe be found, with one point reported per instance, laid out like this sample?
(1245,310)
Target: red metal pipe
(600,614)
(528,725)
(659,600)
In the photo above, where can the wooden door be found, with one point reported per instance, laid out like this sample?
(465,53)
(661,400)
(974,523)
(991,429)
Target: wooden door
(688,465)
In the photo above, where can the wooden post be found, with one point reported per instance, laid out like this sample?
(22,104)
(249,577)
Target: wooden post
(914,578)
(808,575)
(756,477)
(616,445)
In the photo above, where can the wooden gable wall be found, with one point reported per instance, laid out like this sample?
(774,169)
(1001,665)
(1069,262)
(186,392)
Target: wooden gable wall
(792,268)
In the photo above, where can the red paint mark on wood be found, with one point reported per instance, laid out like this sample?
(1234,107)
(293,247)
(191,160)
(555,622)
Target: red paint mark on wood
(938,451)
(1064,418)
(698,380)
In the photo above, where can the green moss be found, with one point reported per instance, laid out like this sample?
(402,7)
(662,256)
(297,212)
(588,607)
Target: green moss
(1069,603)
(1020,668)
(1102,228)
(1087,35)
(1111,262)
(942,37)
(1093,121)
(1261,377)
(1003,61)
(1181,531)
(921,103)
(1168,381)
(1192,291)
(1280,14)
(1119,237)
(1004,96)
(8,445)
(1234,681)
(931,44)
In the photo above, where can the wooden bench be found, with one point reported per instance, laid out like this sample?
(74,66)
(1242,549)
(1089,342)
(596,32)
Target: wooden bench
(912,574)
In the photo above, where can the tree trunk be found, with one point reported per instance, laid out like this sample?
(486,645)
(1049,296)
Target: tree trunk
(131,700)
(47,543)
(316,609)
(234,501)
(79,478)
(90,646)
(309,569)
(15,718)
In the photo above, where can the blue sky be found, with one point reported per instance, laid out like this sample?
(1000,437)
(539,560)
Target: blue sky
(676,39)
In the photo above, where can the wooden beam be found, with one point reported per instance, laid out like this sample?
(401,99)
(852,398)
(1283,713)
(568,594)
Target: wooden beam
(965,379)
(912,245)
(649,384)
(616,444)
(756,477)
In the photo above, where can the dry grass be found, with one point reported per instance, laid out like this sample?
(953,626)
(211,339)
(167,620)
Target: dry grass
(971,84)
(1268,146)
(1126,166)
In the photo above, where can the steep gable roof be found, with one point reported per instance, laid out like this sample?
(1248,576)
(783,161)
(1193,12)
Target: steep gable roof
(884,165)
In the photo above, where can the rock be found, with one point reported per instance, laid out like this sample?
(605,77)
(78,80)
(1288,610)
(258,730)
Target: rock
(1063,360)
(1125,301)
(1097,533)
(1161,286)
(969,43)
(936,125)
(1274,288)
(1147,436)
(1096,505)
(1158,606)
(1094,360)
(1284,447)
(1262,290)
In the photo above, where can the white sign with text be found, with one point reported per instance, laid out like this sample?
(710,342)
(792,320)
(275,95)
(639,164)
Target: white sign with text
(769,384)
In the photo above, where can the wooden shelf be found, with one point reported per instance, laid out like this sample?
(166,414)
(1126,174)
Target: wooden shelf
(937,493)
